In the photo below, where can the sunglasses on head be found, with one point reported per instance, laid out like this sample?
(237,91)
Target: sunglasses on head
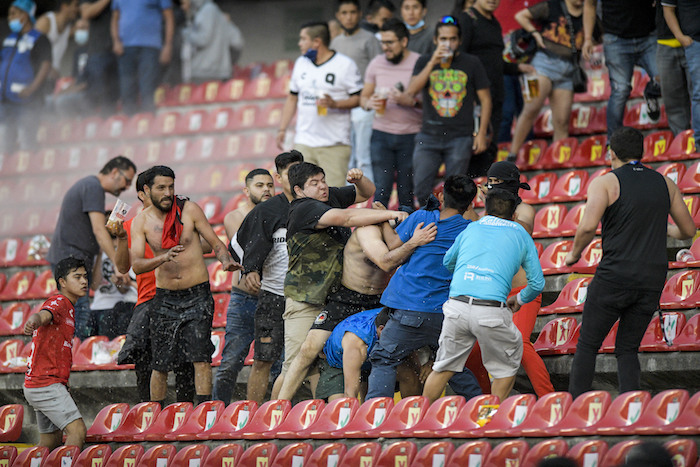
(449,19)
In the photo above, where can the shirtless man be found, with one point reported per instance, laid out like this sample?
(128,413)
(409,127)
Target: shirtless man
(367,267)
(240,316)
(183,308)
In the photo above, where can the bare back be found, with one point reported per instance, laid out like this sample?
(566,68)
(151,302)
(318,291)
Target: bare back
(359,272)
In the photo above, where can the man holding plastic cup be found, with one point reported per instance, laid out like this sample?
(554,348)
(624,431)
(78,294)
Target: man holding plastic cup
(450,82)
(81,230)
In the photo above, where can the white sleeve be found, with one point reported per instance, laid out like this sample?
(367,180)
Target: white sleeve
(293,81)
(351,80)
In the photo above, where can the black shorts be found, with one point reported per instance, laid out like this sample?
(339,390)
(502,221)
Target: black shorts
(137,335)
(181,326)
(342,304)
(269,323)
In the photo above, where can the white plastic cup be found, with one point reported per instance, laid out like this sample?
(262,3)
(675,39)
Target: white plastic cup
(684,255)
(119,213)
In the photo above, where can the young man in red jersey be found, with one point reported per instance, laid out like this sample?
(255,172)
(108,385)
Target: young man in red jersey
(46,382)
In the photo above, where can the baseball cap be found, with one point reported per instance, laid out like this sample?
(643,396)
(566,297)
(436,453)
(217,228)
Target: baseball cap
(28,6)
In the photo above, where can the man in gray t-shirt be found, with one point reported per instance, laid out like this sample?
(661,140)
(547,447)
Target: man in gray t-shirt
(80,231)
(362,47)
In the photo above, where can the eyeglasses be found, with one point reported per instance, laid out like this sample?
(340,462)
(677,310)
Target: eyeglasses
(449,19)
(126,179)
(389,43)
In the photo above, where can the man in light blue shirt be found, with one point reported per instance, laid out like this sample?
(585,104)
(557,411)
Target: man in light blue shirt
(484,258)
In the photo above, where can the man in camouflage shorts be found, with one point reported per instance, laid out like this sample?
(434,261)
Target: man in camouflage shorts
(317,231)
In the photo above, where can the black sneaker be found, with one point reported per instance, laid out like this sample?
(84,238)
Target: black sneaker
(652,92)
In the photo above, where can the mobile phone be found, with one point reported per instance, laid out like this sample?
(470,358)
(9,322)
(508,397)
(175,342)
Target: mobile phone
(399,86)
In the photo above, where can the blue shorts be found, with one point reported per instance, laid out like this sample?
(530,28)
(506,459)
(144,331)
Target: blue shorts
(560,71)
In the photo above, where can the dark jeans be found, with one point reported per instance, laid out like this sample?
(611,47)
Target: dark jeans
(405,332)
(392,160)
(511,107)
(102,82)
(675,86)
(139,75)
(605,303)
(432,151)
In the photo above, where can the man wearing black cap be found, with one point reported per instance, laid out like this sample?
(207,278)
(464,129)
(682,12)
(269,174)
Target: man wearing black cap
(505,175)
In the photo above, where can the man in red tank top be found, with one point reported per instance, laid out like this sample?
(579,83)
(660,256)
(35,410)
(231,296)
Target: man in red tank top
(46,382)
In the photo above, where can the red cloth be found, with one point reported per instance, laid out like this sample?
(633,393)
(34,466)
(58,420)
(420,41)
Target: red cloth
(505,13)
(172,227)
(532,363)
(146,282)
(52,346)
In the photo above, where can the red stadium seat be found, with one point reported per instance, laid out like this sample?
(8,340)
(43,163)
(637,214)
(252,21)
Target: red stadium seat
(570,299)
(680,291)
(139,126)
(222,119)
(280,68)
(589,452)
(441,415)
(203,418)
(511,413)
(590,257)
(107,420)
(662,411)
(88,129)
(8,454)
(180,95)
(231,90)
(573,218)
(211,205)
(31,457)
(49,159)
(692,263)
(470,421)
(507,453)
(406,414)
(616,454)
(302,416)
(530,153)
(672,326)
(541,188)
(656,145)
(683,147)
(213,179)
(543,127)
(165,124)
(582,119)
(94,353)
(598,89)
(32,251)
(608,345)
(217,338)
(139,419)
(231,422)
(335,416)
(245,117)
(206,93)
(689,338)
(673,170)
(257,88)
(327,455)
(552,258)
(44,286)
(548,220)
(688,422)
(270,116)
(219,279)
(555,336)
(126,456)
(570,187)
(220,309)
(624,413)
(188,456)
(61,456)
(690,182)
(10,356)
(683,451)
(225,455)
(163,96)
(11,419)
(437,453)
(584,415)
(546,414)
(191,122)
(371,414)
(258,455)
(158,455)
(267,418)
(363,454)
(471,453)
(293,454)
(12,319)
(543,450)
(169,421)
(557,155)
(113,128)
(17,286)
(637,116)
(400,453)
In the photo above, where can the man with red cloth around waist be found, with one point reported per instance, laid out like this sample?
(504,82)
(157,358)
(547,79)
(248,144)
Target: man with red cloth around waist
(183,308)
(46,382)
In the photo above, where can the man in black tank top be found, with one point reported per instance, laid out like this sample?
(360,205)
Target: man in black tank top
(633,202)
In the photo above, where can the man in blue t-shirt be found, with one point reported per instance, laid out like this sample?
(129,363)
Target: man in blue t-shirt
(484,259)
(346,353)
(418,289)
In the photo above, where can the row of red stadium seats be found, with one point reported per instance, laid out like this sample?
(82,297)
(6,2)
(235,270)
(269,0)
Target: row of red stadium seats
(399,453)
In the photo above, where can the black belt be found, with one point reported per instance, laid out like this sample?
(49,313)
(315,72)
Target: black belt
(478,301)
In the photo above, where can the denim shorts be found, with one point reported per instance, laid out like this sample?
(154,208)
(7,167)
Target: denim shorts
(560,71)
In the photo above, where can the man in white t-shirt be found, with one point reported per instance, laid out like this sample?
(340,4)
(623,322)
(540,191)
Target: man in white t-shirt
(324,86)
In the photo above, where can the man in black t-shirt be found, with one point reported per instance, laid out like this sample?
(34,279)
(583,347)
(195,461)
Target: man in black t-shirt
(629,40)
(317,230)
(450,82)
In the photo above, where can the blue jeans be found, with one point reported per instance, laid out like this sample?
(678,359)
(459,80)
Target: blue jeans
(405,332)
(102,82)
(692,57)
(621,55)
(430,152)
(393,154)
(360,133)
(676,86)
(139,74)
(240,324)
